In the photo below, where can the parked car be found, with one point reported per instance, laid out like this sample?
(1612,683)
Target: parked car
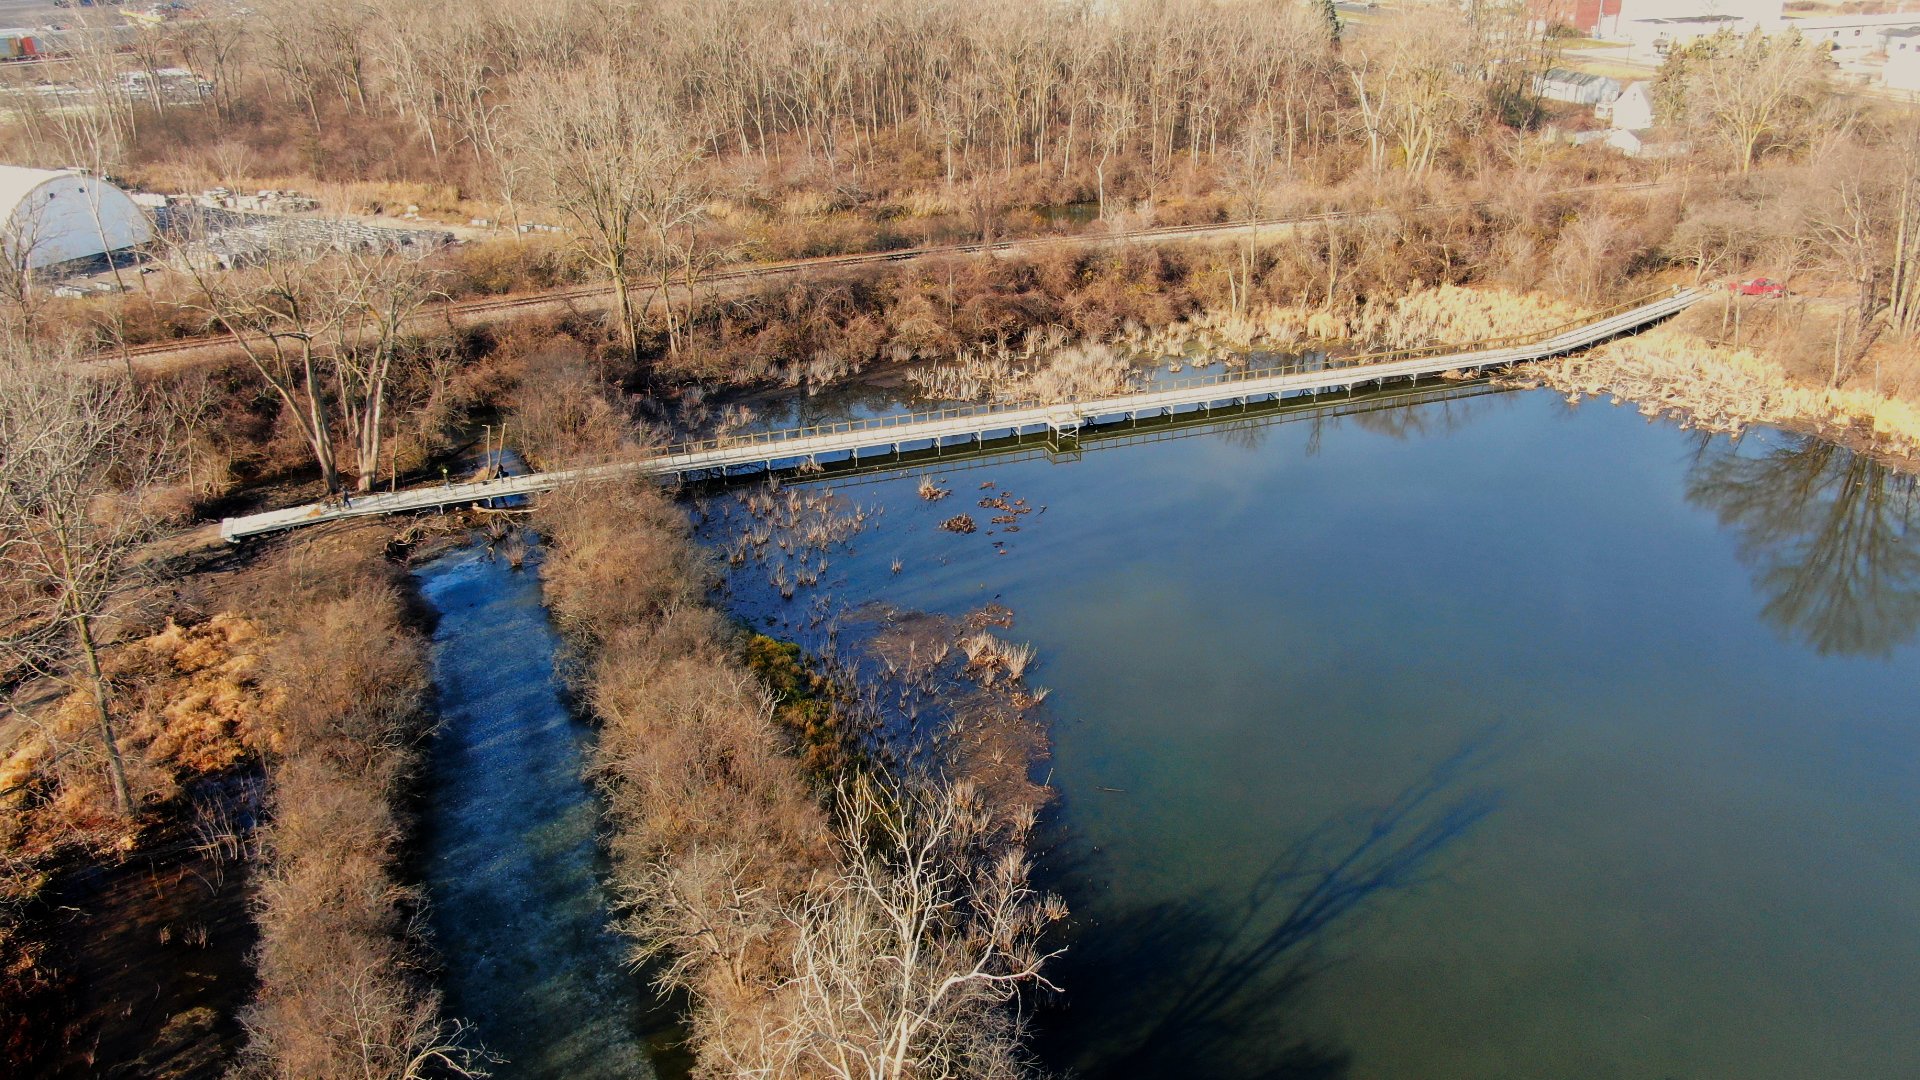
(1758,287)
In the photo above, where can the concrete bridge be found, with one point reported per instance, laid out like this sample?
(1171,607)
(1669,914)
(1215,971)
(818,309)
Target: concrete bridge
(934,431)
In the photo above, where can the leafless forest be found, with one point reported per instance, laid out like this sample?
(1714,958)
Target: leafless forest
(1409,183)
(665,140)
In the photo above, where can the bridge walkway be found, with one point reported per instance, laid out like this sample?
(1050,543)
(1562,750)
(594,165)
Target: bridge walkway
(1063,419)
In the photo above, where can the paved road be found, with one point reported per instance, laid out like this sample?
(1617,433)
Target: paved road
(31,14)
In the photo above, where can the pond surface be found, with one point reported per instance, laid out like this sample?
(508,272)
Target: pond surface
(509,854)
(1484,738)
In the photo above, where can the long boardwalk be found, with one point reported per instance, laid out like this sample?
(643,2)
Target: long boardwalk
(920,430)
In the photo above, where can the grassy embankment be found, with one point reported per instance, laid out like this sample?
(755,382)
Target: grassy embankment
(995,330)
(287,676)
(308,680)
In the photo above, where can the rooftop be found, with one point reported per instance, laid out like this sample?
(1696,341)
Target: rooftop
(1841,22)
(1579,78)
(1692,20)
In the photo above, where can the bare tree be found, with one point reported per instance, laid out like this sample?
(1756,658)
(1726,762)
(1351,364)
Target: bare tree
(96,70)
(384,290)
(1411,87)
(1592,251)
(23,236)
(1848,230)
(1510,50)
(902,961)
(95,137)
(1748,95)
(608,154)
(283,315)
(1252,172)
(69,516)
(314,49)
(1717,235)
(1114,121)
(184,412)
(216,47)
(326,330)
(1903,304)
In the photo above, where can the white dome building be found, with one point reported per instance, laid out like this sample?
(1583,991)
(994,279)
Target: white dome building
(49,216)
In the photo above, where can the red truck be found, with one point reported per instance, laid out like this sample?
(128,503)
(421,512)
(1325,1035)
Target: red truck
(1758,287)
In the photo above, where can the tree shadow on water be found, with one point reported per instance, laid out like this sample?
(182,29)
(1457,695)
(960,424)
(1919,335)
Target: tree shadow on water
(1830,535)
(1202,986)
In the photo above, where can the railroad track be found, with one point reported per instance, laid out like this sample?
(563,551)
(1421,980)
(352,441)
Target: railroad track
(162,355)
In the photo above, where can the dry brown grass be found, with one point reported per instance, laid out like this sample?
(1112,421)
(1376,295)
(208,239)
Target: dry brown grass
(714,829)
(343,992)
(732,872)
(1670,372)
(190,701)
(205,705)
(621,559)
(1441,315)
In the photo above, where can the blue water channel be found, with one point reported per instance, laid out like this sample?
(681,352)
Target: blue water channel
(1473,739)
(510,859)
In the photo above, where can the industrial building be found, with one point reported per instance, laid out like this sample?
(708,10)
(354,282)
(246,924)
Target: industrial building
(1615,20)
(51,216)
(1576,87)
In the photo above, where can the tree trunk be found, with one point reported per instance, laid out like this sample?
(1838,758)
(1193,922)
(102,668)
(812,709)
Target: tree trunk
(116,769)
(623,306)
(319,432)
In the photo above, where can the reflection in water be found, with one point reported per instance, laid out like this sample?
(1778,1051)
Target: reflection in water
(1696,867)
(1241,963)
(1828,534)
(1444,417)
(1248,434)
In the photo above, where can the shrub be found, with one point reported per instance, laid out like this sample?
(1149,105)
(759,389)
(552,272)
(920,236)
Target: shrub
(343,992)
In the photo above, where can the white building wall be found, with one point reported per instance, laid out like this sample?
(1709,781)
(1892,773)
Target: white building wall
(1903,63)
(1652,39)
(1858,32)
(1632,110)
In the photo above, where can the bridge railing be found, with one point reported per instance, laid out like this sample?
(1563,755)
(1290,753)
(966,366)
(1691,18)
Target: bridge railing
(882,424)
(847,427)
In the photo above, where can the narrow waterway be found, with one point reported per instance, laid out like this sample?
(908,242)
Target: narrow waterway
(1476,739)
(509,854)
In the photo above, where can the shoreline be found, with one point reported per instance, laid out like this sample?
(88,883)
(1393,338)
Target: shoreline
(1671,374)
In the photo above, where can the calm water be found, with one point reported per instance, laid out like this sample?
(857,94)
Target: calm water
(509,855)
(1478,739)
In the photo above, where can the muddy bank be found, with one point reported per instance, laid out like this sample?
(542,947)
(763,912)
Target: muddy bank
(153,950)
